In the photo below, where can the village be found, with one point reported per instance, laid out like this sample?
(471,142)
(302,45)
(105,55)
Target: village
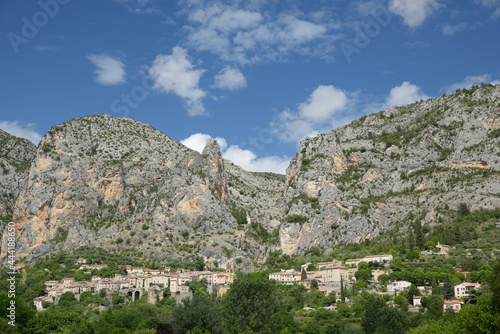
(329,278)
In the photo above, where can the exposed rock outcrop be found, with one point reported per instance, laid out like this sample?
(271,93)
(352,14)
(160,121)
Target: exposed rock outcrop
(116,182)
(361,179)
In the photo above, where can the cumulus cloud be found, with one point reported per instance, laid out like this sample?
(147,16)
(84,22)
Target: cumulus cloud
(470,81)
(321,110)
(414,13)
(492,5)
(18,130)
(230,78)
(110,71)
(249,34)
(449,30)
(176,74)
(405,94)
(246,159)
(198,141)
(322,104)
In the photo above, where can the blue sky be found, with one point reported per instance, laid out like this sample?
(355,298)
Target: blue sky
(258,75)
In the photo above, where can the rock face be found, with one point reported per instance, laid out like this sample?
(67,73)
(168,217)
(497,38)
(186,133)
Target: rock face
(116,182)
(16,155)
(361,179)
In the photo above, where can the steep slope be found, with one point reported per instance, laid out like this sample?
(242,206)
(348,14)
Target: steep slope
(121,184)
(116,182)
(16,155)
(365,178)
(96,176)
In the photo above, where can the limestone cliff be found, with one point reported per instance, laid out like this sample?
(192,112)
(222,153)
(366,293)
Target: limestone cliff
(118,183)
(16,155)
(362,179)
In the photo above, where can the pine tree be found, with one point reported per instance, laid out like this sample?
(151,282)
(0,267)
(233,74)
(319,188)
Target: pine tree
(303,275)
(448,291)
(419,235)
(411,241)
(467,236)
(342,291)
(413,291)
(435,286)
(458,239)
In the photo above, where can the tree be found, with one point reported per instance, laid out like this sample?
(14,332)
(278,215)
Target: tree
(412,292)
(57,322)
(435,306)
(379,318)
(383,278)
(164,329)
(436,289)
(397,264)
(448,291)
(342,289)
(253,303)
(303,274)
(362,265)
(402,302)
(457,237)
(23,310)
(312,267)
(411,240)
(494,284)
(314,284)
(463,210)
(480,318)
(419,235)
(363,275)
(199,312)
(429,245)
(413,255)
(199,263)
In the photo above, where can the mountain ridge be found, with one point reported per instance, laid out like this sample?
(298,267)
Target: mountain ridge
(117,182)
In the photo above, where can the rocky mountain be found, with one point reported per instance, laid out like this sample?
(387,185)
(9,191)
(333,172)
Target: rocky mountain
(364,178)
(118,183)
(16,155)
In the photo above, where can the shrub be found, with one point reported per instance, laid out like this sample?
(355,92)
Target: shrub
(296,219)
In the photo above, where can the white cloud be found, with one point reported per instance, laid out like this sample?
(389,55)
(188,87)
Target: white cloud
(246,159)
(176,74)
(470,81)
(139,6)
(198,141)
(320,111)
(449,30)
(413,12)
(15,129)
(492,5)
(110,71)
(323,103)
(230,78)
(405,94)
(247,35)
(295,31)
